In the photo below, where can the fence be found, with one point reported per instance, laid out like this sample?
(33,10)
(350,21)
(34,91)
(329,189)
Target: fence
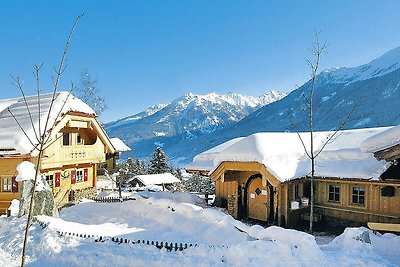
(169,246)
(111,199)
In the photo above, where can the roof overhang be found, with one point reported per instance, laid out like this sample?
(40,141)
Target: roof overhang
(389,154)
(224,166)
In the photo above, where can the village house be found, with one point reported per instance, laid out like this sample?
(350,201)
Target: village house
(265,177)
(77,144)
(161,180)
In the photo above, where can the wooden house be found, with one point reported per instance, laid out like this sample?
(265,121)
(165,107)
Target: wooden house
(77,144)
(265,177)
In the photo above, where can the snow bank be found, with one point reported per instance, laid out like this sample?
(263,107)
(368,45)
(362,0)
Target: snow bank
(14,207)
(26,171)
(359,245)
(166,220)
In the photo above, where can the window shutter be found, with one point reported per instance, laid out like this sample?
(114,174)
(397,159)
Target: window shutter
(14,185)
(58,178)
(85,175)
(73,177)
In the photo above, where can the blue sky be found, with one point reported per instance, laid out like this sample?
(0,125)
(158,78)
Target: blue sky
(148,52)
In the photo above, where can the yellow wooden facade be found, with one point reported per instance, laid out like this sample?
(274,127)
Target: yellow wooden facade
(78,145)
(272,202)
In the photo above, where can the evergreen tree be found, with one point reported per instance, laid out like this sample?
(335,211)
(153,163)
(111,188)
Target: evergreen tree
(159,162)
(141,167)
(199,183)
(178,173)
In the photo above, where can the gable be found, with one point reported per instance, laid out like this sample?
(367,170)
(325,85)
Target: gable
(86,125)
(219,172)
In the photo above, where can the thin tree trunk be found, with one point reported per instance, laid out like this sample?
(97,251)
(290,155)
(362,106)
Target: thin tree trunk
(29,221)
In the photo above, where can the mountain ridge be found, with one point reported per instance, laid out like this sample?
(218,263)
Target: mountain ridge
(186,117)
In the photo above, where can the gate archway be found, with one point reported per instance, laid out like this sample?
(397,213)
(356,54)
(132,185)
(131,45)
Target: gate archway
(258,199)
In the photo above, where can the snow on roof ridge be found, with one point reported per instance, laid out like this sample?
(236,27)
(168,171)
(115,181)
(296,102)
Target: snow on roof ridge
(382,140)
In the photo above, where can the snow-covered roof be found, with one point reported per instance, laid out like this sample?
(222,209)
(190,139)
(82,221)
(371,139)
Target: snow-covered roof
(204,161)
(283,154)
(382,140)
(119,145)
(156,179)
(12,138)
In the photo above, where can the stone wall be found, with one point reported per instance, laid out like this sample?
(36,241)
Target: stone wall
(232,205)
(79,194)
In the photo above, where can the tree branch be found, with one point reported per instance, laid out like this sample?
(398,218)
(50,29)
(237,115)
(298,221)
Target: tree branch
(17,83)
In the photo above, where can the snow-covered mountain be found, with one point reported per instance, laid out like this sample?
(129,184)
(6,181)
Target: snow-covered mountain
(186,117)
(381,66)
(371,93)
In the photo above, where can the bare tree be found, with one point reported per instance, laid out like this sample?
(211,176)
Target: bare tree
(317,50)
(88,92)
(42,140)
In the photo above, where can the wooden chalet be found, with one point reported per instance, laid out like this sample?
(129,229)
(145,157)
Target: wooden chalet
(77,144)
(265,177)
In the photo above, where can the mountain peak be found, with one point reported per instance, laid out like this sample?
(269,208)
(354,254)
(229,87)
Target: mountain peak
(387,63)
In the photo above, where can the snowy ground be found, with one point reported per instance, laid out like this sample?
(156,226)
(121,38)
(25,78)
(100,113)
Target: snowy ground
(179,217)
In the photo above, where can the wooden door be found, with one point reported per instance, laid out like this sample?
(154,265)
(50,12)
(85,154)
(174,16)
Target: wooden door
(258,200)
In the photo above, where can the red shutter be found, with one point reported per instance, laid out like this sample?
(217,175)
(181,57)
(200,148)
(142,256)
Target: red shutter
(14,185)
(85,175)
(73,177)
(58,178)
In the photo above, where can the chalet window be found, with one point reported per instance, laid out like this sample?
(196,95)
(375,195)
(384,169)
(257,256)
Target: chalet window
(296,191)
(334,193)
(79,140)
(79,176)
(66,139)
(388,191)
(6,185)
(358,195)
(50,180)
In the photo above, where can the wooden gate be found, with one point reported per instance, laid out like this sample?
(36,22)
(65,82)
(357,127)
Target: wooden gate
(258,200)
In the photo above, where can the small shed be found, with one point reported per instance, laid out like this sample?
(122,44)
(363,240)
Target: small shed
(162,179)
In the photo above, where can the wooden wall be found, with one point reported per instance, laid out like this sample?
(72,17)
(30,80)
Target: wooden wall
(377,208)
(8,170)
(61,193)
